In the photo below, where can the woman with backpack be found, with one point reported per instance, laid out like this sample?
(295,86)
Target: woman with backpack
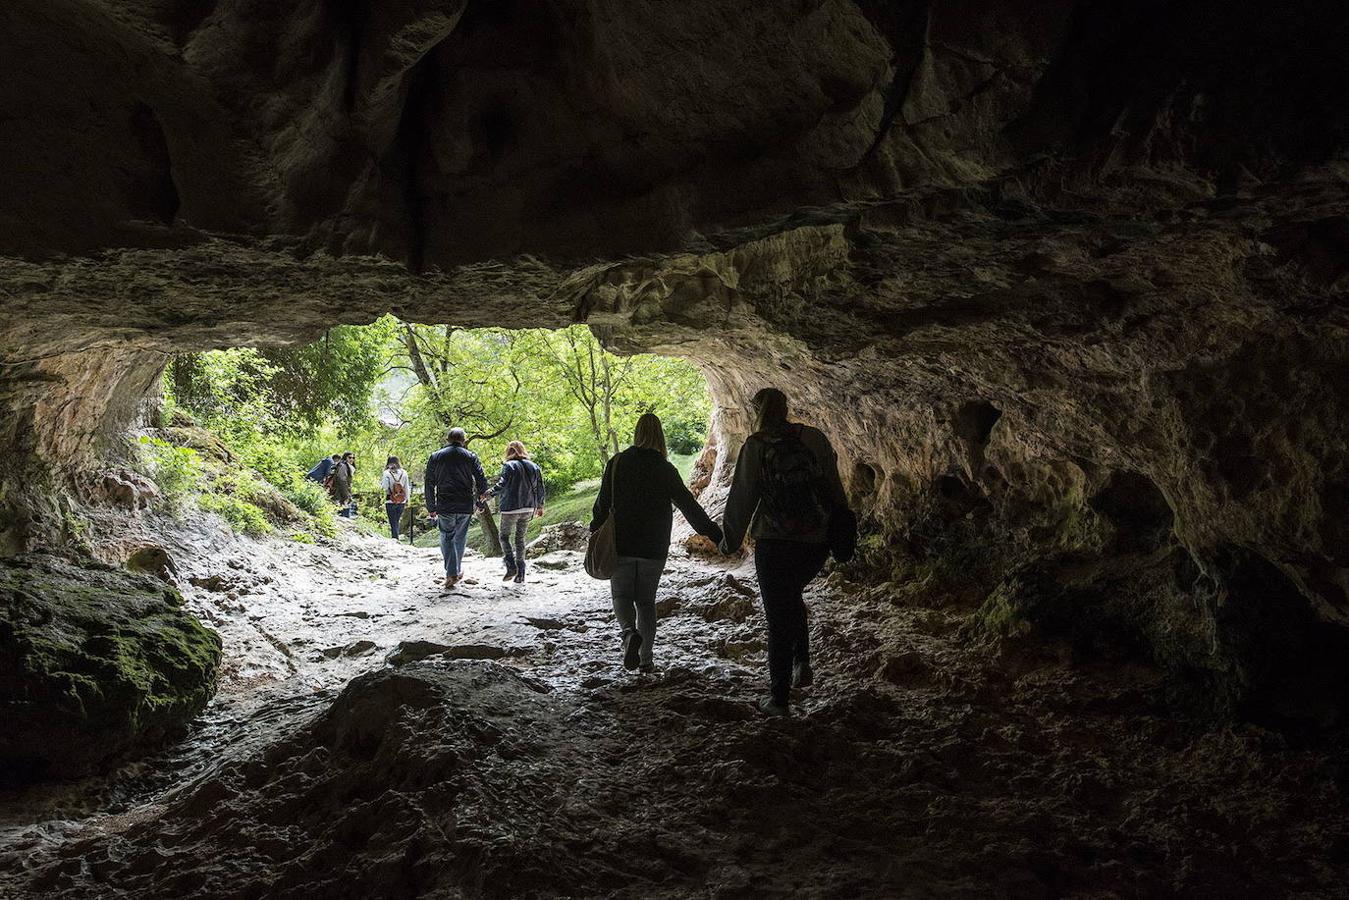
(786,487)
(639,485)
(520,487)
(397,488)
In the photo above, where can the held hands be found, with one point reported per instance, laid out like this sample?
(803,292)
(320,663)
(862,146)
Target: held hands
(538,512)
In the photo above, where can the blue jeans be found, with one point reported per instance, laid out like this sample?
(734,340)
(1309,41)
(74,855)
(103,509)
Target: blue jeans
(453,536)
(395,513)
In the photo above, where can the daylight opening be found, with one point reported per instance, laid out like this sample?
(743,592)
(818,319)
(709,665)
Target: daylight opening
(245,432)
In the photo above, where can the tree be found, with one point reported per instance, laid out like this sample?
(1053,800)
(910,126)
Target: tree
(594,377)
(472,381)
(290,389)
(470,377)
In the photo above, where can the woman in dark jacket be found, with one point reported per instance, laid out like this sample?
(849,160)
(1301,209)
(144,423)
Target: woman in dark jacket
(520,487)
(640,484)
(785,489)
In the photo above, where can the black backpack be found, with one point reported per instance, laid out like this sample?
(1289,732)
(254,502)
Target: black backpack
(792,492)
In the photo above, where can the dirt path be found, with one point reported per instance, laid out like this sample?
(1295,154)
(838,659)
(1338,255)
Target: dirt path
(916,767)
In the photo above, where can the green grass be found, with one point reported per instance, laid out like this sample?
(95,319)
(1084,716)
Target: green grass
(573,506)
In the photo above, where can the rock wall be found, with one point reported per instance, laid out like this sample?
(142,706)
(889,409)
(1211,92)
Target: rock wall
(1065,280)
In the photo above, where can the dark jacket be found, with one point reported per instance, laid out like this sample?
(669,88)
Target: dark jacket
(520,485)
(742,505)
(454,480)
(320,471)
(646,486)
(342,475)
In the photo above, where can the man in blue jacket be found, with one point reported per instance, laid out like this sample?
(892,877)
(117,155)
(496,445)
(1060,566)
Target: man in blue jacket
(324,466)
(454,483)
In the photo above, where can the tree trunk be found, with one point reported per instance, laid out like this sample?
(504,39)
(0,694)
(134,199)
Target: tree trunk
(607,386)
(491,532)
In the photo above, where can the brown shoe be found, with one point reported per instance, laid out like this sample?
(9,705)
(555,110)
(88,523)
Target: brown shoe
(450,582)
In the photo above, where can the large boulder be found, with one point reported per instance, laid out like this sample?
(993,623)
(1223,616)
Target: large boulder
(562,536)
(95,662)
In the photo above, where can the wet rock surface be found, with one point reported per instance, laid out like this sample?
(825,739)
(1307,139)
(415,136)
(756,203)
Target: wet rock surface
(94,662)
(917,764)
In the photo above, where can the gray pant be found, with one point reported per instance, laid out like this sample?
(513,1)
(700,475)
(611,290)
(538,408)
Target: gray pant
(513,527)
(634,584)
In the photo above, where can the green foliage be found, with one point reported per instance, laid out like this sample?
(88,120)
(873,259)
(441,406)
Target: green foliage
(570,401)
(331,380)
(394,389)
(238,494)
(239,513)
(243,393)
(306,495)
(175,470)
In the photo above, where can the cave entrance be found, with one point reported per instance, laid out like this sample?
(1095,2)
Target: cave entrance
(254,425)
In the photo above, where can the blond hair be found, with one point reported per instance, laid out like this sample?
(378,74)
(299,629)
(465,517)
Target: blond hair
(516,450)
(649,433)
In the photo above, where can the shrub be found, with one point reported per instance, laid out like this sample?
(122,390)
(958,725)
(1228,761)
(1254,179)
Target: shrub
(240,514)
(175,470)
(306,495)
(685,435)
(324,524)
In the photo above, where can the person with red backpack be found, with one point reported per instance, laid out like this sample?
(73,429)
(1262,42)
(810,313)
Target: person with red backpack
(786,492)
(397,488)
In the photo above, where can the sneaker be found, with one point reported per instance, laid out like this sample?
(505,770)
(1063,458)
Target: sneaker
(519,577)
(510,573)
(770,708)
(450,582)
(647,668)
(802,675)
(632,650)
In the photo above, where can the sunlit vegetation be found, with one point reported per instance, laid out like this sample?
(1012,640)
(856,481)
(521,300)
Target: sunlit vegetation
(393,388)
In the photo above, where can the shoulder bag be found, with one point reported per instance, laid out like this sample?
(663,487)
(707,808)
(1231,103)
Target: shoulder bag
(602,551)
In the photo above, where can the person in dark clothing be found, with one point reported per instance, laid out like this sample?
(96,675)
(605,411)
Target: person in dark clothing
(785,488)
(454,482)
(340,488)
(322,468)
(520,487)
(639,485)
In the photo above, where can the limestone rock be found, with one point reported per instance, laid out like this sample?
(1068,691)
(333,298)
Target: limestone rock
(1021,265)
(94,663)
(562,536)
(560,560)
(154,561)
(411,651)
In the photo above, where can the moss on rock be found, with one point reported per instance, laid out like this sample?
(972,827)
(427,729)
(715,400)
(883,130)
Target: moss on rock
(94,662)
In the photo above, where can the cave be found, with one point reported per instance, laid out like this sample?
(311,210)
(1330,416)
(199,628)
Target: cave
(1064,283)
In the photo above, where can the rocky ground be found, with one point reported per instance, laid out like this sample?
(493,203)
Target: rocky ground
(374,737)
